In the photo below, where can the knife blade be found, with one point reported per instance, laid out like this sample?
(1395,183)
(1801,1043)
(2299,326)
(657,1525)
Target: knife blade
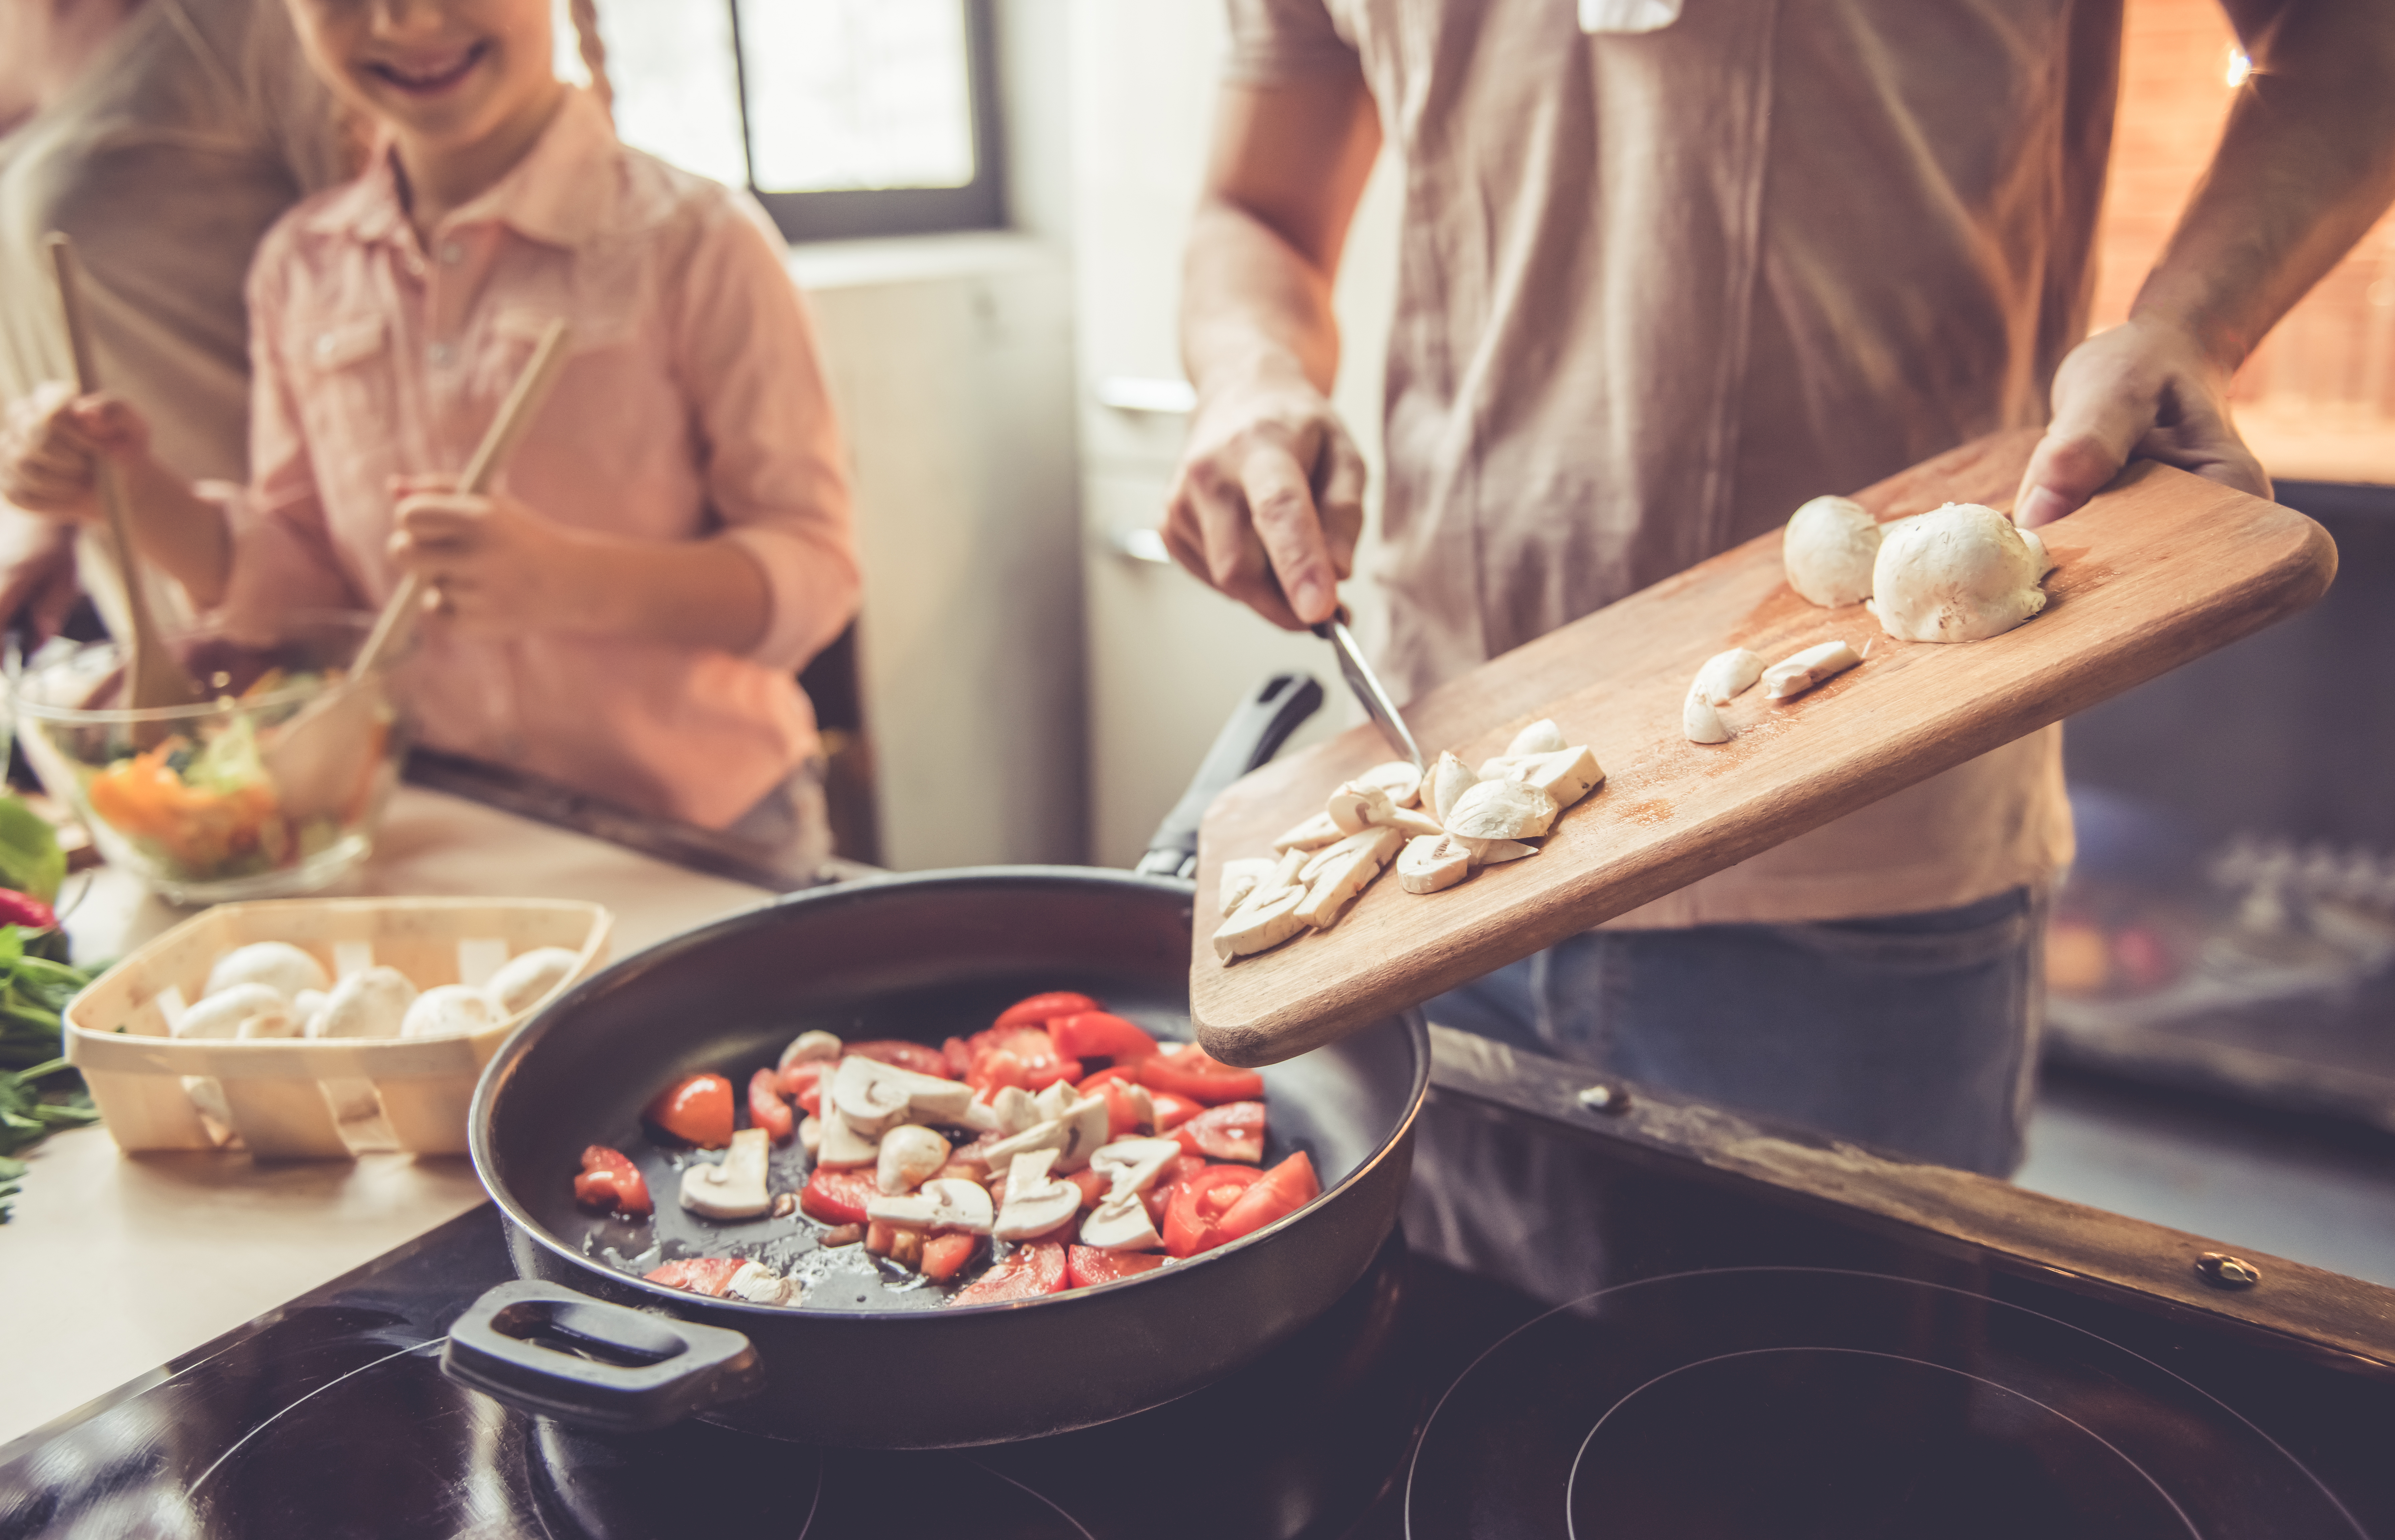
(1369,689)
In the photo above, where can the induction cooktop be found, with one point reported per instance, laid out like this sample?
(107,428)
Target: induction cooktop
(1661,1325)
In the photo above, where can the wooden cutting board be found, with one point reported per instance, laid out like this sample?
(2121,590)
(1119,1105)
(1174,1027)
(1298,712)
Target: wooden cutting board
(2160,567)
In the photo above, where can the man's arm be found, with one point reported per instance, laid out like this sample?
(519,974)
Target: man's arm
(1270,501)
(2305,166)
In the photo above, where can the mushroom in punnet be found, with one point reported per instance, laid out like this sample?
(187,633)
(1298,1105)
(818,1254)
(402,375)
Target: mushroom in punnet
(1240,877)
(1357,805)
(450,1010)
(1430,863)
(1399,779)
(910,1156)
(760,1284)
(1800,672)
(1827,551)
(1540,737)
(370,1002)
(285,969)
(1341,879)
(841,1147)
(809,1046)
(1449,780)
(1312,834)
(732,1188)
(1121,1222)
(1961,572)
(1502,810)
(1726,676)
(1036,1202)
(282,1021)
(1132,1165)
(525,979)
(221,1014)
(308,1005)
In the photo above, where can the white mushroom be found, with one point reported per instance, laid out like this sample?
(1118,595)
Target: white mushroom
(1085,1131)
(1132,1165)
(1357,805)
(1796,674)
(1410,822)
(449,1010)
(1047,1135)
(1430,863)
(808,1046)
(279,965)
(1961,572)
(1240,877)
(1502,810)
(2036,544)
(1567,774)
(1036,1202)
(1494,853)
(1398,778)
(1448,778)
(308,1004)
(279,1022)
(1726,676)
(1540,737)
(732,1188)
(910,1156)
(1259,924)
(1828,549)
(1055,1098)
(370,1002)
(873,1096)
(1120,1222)
(840,1147)
(951,1202)
(220,1015)
(810,1132)
(760,1284)
(527,978)
(1014,1110)
(1320,860)
(1343,879)
(1312,834)
(1700,723)
(1143,1105)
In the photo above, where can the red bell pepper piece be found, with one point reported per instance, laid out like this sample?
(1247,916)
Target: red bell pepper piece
(1087,1265)
(1193,1215)
(907,1055)
(1189,1071)
(1034,1269)
(610,1181)
(1097,1034)
(1235,1131)
(698,1274)
(766,1107)
(697,1109)
(837,1197)
(1043,1007)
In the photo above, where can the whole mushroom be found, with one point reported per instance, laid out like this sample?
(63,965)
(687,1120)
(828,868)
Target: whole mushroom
(279,965)
(1961,572)
(1828,549)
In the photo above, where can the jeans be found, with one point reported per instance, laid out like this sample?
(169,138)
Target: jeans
(1912,1034)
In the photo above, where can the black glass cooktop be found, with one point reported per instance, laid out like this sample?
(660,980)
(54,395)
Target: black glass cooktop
(1717,1359)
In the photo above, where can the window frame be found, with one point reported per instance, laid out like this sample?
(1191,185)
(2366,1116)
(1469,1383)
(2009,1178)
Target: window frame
(852,214)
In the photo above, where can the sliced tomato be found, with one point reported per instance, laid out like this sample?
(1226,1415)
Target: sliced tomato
(945,1255)
(1235,1131)
(907,1055)
(695,1109)
(766,1107)
(1283,1190)
(1193,1215)
(610,1180)
(1171,1110)
(698,1274)
(1034,1269)
(959,1058)
(1130,1107)
(1087,1265)
(1093,1187)
(1018,1056)
(1159,1192)
(1044,1007)
(804,1084)
(1188,1071)
(837,1197)
(1099,1034)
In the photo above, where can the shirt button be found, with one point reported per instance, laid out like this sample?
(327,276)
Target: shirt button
(439,352)
(452,253)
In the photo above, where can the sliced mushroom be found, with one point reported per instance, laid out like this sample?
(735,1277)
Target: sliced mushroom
(221,1014)
(1047,1135)
(809,1046)
(1260,924)
(1055,1098)
(1410,822)
(1793,675)
(1015,1109)
(1132,1165)
(875,1096)
(732,1188)
(1399,779)
(1568,774)
(841,1147)
(1036,1202)
(1321,859)
(810,1130)
(910,1156)
(1701,722)
(1240,877)
(1357,805)
(1143,1105)
(1502,810)
(1312,834)
(1494,853)
(1085,1132)
(1540,737)
(1448,778)
(1340,881)
(951,1202)
(1430,863)
(1121,1222)
(760,1284)
(1726,676)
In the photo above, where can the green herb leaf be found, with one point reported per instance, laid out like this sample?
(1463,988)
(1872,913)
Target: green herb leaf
(30,861)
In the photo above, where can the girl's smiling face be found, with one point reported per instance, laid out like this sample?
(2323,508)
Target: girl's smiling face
(445,74)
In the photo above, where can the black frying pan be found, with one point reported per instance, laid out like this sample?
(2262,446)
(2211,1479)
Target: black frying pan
(873,1360)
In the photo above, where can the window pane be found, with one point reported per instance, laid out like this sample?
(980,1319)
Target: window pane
(857,93)
(677,86)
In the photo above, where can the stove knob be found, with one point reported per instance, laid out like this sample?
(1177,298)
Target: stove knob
(2224,1271)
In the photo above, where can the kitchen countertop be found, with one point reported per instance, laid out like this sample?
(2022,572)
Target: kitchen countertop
(113,1265)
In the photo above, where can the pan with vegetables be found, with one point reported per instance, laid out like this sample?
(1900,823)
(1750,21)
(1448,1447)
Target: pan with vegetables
(924,1161)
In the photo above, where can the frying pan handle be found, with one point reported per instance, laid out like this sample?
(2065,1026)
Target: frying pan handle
(1255,732)
(546,1350)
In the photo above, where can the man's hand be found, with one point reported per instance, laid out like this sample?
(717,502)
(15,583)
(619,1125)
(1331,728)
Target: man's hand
(1269,502)
(2141,390)
(50,452)
(490,565)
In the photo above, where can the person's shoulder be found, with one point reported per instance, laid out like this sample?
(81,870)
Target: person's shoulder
(662,197)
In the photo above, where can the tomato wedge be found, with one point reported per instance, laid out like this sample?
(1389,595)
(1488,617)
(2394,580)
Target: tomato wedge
(1130,1107)
(945,1255)
(1283,1190)
(907,1055)
(1033,1269)
(1235,1131)
(1087,1265)
(1043,1007)
(1188,1071)
(1171,1110)
(1098,1035)
(698,1274)
(1018,1056)
(1159,1192)
(766,1107)
(1193,1213)
(610,1181)
(837,1197)
(697,1109)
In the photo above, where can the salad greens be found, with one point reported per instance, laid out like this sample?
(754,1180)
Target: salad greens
(40,1093)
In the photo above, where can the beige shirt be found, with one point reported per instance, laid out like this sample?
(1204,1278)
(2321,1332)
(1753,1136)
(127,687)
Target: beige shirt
(196,127)
(1657,287)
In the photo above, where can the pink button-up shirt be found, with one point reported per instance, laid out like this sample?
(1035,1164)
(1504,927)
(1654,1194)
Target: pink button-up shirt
(690,406)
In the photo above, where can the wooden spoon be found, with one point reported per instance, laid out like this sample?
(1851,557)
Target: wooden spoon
(154,674)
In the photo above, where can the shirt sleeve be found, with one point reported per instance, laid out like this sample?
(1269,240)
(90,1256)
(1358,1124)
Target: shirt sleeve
(1274,41)
(776,474)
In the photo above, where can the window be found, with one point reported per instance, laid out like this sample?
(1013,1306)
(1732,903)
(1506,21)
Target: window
(846,117)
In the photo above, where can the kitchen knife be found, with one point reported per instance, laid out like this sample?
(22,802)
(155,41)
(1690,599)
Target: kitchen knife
(1369,690)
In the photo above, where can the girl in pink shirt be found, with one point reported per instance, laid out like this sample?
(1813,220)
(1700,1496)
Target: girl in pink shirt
(672,541)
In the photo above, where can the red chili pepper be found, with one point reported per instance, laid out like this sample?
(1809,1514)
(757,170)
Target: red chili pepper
(26,909)
(766,1107)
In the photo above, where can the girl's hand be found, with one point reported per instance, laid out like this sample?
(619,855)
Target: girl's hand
(490,565)
(50,451)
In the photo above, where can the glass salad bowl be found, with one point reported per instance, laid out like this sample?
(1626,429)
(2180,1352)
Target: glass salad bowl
(273,786)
